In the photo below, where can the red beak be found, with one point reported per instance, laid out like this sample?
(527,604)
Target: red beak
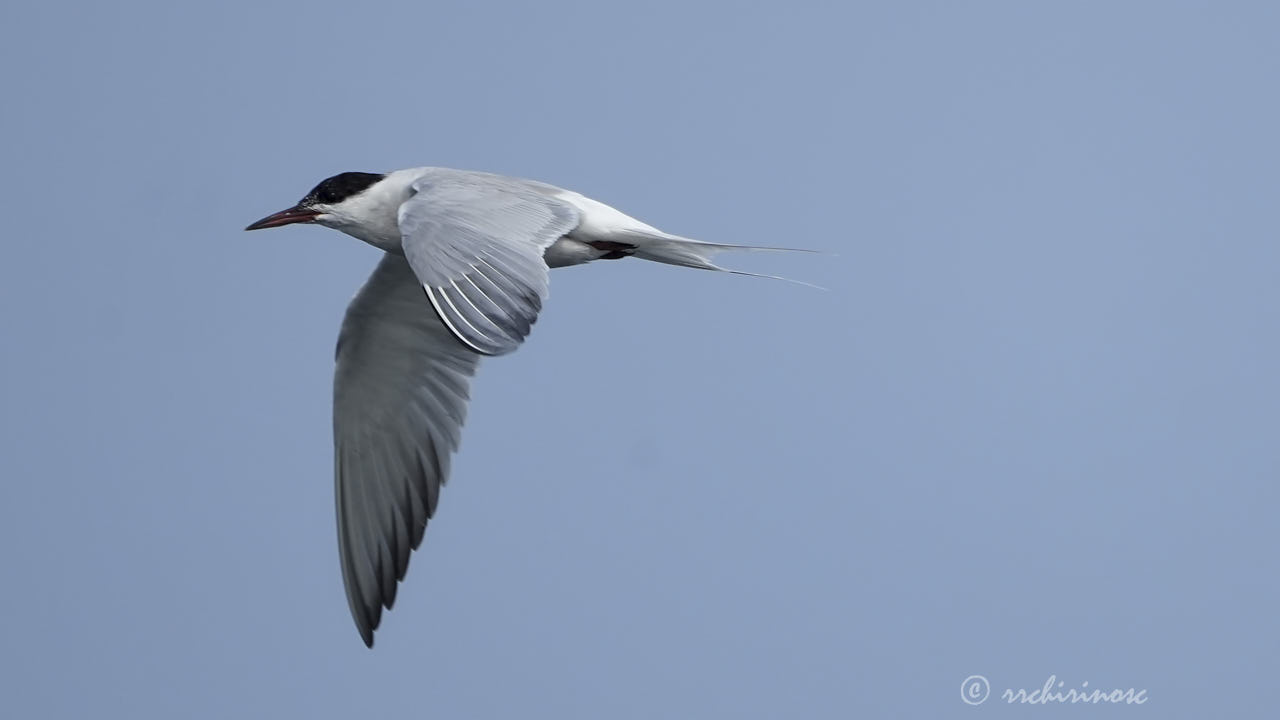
(295,214)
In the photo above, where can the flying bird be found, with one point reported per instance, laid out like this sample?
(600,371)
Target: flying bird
(463,275)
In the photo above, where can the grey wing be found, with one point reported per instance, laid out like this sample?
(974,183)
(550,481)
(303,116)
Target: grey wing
(400,394)
(476,243)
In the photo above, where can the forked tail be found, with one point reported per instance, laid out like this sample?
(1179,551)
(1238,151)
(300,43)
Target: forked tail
(686,252)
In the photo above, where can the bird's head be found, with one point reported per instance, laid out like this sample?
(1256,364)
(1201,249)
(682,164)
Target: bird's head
(335,201)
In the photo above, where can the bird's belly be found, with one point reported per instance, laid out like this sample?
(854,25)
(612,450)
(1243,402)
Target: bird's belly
(567,251)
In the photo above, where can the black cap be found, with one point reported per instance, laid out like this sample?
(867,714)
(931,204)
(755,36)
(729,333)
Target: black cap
(340,187)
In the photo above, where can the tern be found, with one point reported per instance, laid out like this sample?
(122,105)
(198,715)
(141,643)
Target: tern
(463,276)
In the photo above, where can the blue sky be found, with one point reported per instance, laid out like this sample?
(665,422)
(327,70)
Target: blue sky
(1030,430)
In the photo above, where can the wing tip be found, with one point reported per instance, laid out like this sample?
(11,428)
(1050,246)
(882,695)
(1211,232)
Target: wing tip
(451,318)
